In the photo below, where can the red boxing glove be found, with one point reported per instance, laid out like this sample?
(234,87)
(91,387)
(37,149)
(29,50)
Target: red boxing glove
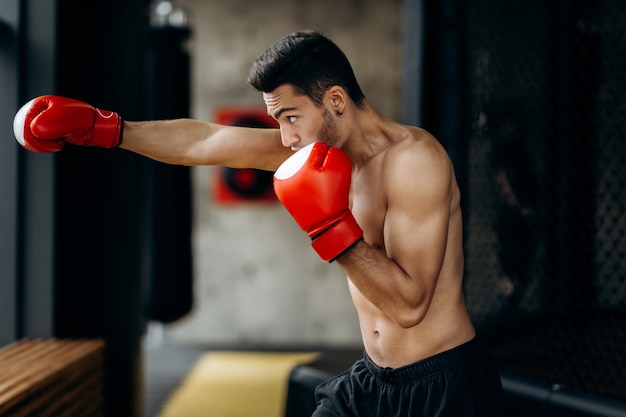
(45,123)
(313,185)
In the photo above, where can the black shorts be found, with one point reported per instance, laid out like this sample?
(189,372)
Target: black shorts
(460,382)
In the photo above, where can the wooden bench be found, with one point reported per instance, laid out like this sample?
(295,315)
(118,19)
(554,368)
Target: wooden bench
(52,378)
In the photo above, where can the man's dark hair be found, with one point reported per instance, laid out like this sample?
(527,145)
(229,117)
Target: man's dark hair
(308,61)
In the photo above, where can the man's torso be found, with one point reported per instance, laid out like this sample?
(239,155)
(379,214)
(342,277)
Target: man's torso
(447,324)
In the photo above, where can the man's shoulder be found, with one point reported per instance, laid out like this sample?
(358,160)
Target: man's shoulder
(417,146)
(419,161)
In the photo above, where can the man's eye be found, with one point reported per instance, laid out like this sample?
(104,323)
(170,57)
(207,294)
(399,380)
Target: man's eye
(291,119)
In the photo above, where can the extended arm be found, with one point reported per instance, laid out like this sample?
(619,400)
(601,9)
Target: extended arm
(46,123)
(193,142)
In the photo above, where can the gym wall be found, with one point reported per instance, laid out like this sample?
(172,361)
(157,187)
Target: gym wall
(257,280)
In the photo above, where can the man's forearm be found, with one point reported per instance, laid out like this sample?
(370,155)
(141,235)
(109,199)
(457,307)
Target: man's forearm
(176,142)
(384,283)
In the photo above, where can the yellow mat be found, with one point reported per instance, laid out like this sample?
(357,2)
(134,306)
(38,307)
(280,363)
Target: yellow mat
(236,384)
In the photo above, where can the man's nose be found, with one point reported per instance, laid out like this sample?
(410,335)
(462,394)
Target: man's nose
(288,138)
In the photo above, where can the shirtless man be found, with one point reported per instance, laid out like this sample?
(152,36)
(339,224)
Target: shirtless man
(404,255)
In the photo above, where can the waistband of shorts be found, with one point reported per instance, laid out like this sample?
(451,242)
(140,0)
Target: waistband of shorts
(425,367)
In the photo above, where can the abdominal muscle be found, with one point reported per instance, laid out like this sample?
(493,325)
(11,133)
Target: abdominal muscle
(390,345)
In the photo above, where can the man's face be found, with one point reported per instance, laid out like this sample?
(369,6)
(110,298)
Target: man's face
(301,121)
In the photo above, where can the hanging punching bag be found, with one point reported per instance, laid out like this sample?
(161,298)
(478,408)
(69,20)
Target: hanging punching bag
(169,210)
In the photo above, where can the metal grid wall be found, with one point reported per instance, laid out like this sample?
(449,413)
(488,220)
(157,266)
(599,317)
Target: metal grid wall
(545,189)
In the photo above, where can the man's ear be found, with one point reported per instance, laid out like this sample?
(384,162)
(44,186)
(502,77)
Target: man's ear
(337,98)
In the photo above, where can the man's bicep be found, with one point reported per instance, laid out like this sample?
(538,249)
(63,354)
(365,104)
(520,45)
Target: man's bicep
(417,222)
(241,147)
(416,240)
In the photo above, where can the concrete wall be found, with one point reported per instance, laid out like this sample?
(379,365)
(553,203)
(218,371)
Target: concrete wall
(257,280)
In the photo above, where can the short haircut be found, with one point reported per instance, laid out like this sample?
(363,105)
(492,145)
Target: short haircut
(308,61)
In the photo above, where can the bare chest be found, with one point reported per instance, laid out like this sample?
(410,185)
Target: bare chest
(369,206)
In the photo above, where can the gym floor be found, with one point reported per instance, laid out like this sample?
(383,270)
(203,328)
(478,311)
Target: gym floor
(164,369)
(166,366)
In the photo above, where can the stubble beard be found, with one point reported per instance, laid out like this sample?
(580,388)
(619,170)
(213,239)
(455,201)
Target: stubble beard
(328,132)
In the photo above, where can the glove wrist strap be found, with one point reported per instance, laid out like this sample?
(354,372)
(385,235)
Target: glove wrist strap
(107,129)
(338,238)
